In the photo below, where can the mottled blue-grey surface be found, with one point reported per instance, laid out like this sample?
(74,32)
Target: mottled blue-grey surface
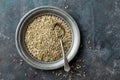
(99,23)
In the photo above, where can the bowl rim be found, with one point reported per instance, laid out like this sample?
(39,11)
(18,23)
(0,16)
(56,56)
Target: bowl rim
(21,52)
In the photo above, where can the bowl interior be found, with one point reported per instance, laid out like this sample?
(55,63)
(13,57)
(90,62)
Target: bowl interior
(24,28)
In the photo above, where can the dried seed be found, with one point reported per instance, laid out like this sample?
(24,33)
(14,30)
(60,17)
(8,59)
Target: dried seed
(59,74)
(79,75)
(53,72)
(83,66)
(61,78)
(21,60)
(11,55)
(21,63)
(25,74)
(64,75)
(84,75)
(89,42)
(83,60)
(66,7)
(78,67)
(36,73)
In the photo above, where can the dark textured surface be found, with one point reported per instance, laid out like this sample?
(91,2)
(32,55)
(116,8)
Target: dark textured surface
(99,23)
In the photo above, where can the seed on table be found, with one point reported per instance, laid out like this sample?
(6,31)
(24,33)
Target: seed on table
(66,7)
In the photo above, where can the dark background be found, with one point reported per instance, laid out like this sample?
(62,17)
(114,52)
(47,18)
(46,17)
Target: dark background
(99,23)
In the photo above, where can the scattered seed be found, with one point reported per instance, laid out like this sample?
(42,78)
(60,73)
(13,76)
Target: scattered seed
(30,68)
(53,72)
(21,63)
(21,60)
(59,74)
(64,75)
(61,78)
(70,76)
(56,74)
(10,55)
(83,60)
(66,7)
(79,60)
(25,74)
(79,75)
(71,71)
(84,75)
(88,41)
(14,55)
(83,66)
(36,73)
(90,47)
(78,67)
(14,60)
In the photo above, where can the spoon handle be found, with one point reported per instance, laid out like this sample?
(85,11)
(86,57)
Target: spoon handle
(66,65)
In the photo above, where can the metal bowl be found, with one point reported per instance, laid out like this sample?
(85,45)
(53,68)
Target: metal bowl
(20,34)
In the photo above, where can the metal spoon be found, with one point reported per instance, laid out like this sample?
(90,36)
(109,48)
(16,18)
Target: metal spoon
(66,65)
